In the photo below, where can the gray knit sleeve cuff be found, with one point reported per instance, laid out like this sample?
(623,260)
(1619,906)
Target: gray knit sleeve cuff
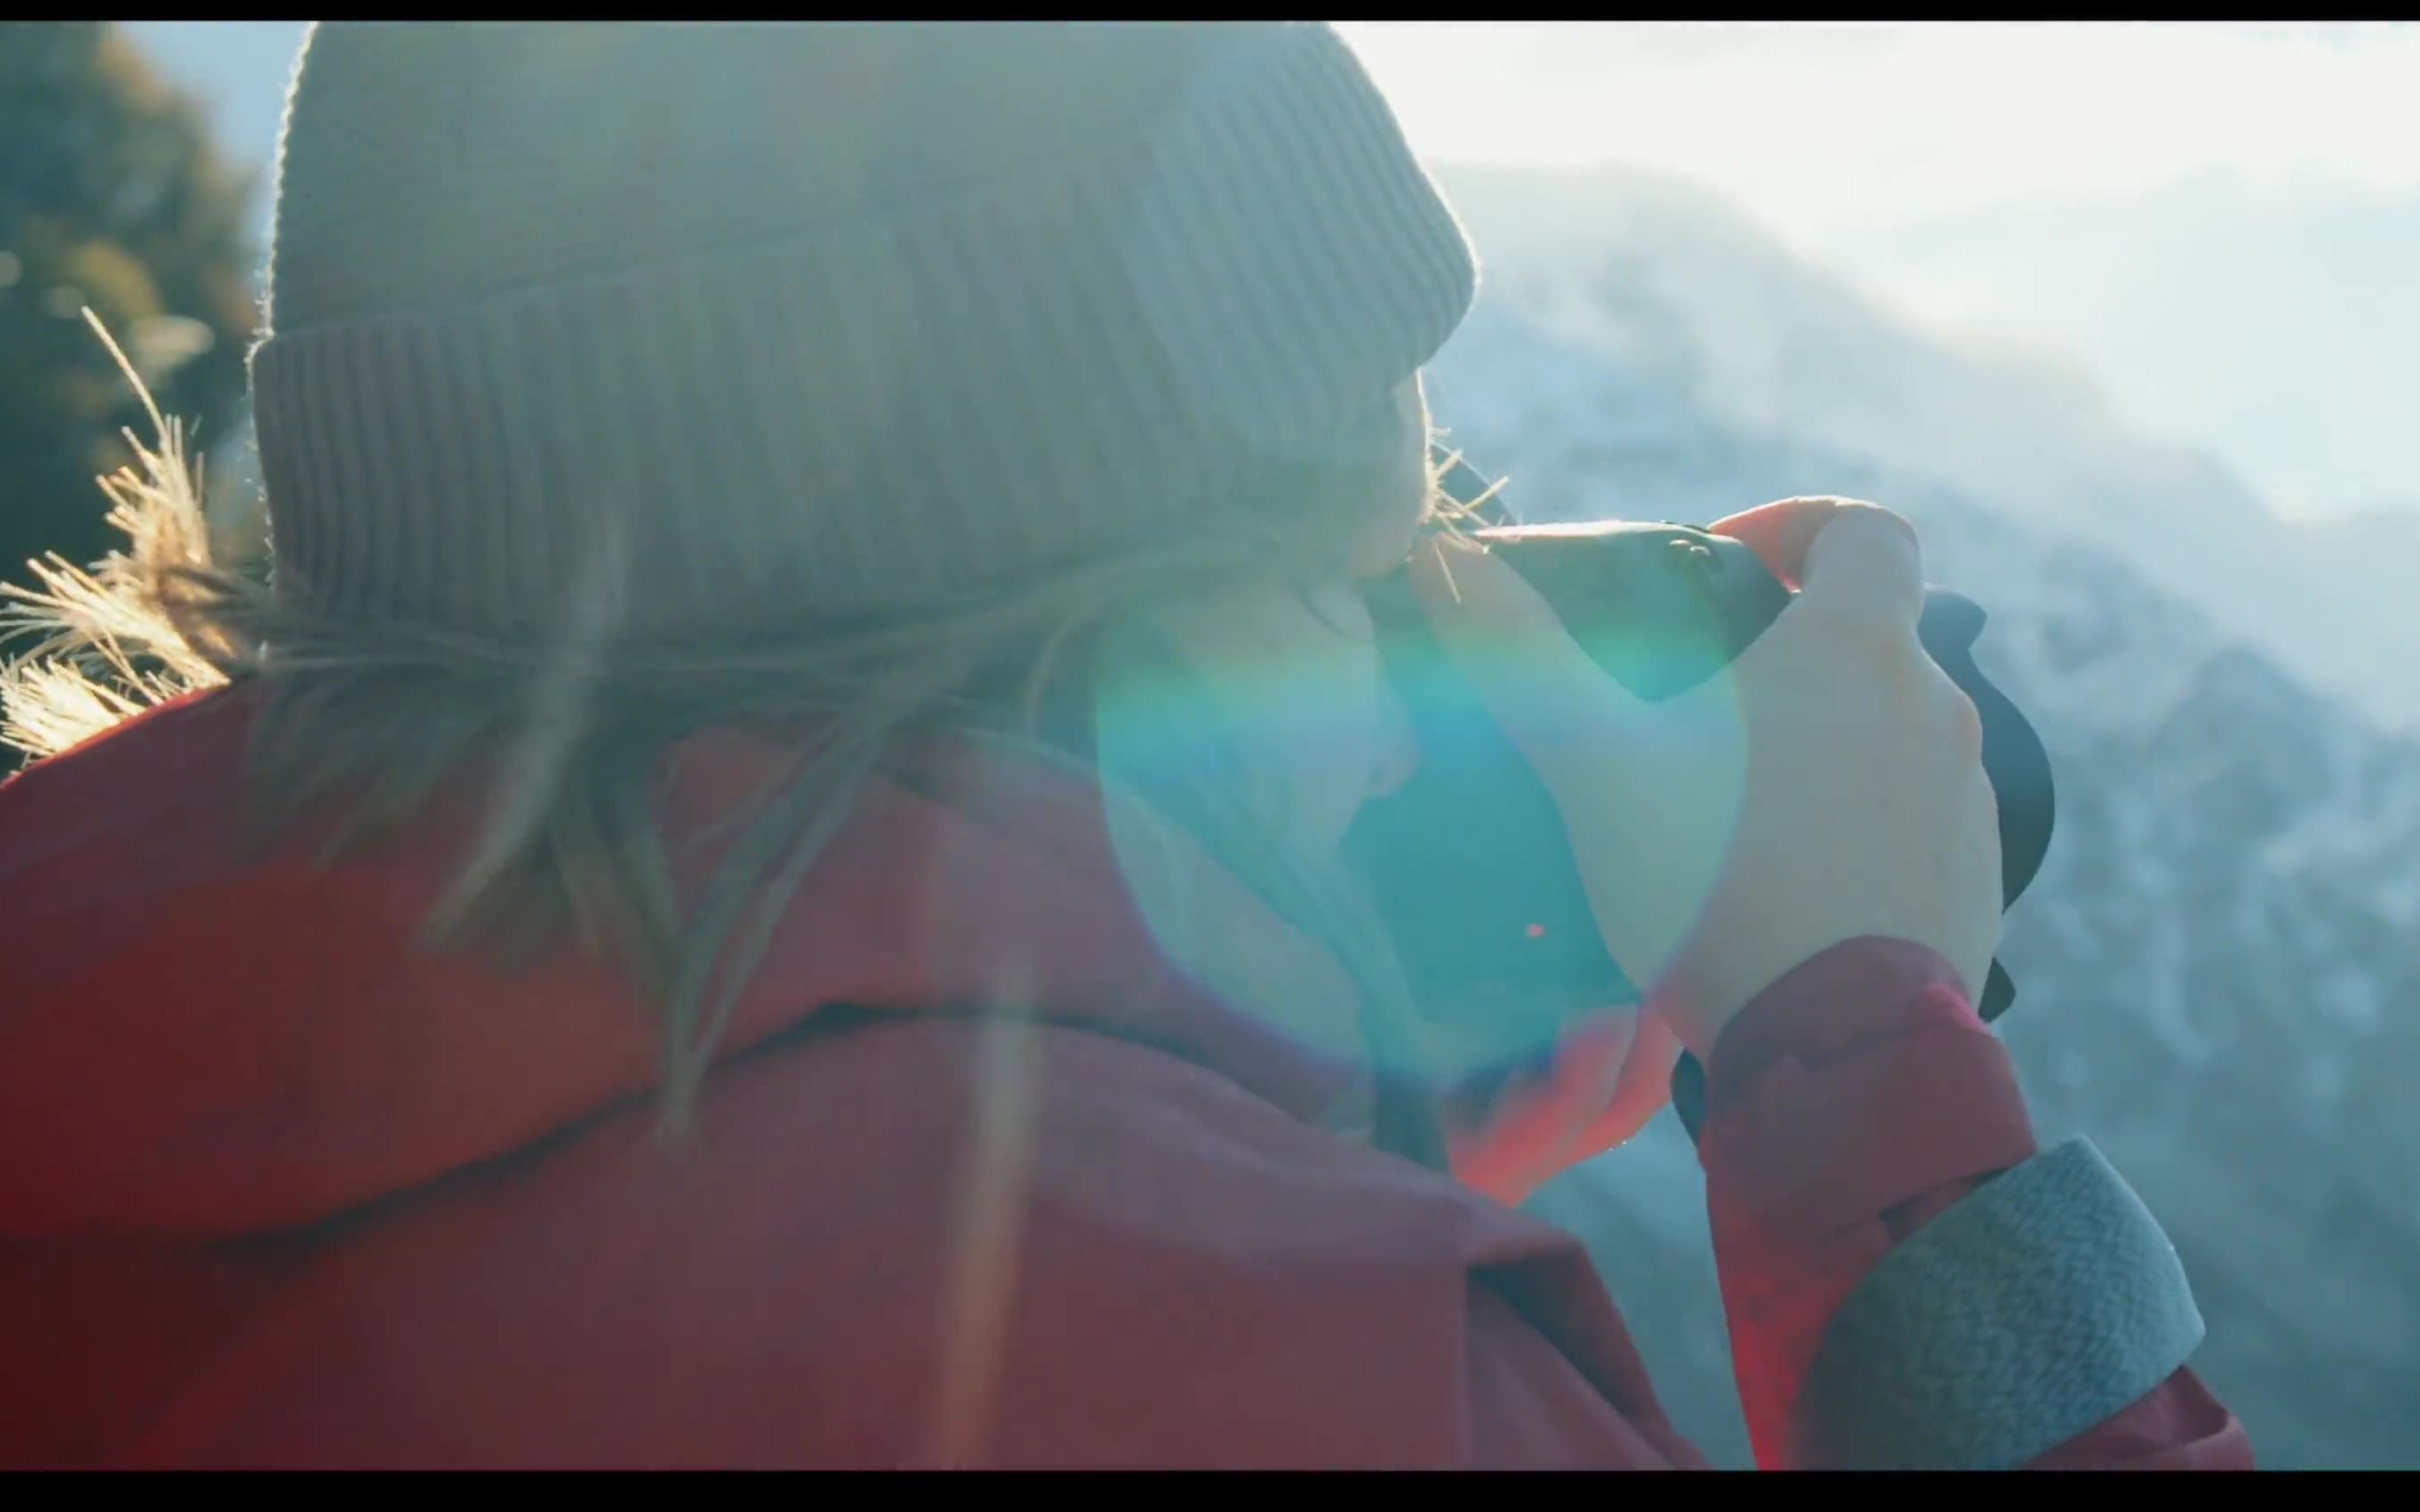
(2036,1308)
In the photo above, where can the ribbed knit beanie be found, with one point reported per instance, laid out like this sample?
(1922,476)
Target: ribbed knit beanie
(823,319)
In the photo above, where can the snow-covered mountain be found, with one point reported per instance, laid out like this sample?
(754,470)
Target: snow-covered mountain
(1664,277)
(2218,968)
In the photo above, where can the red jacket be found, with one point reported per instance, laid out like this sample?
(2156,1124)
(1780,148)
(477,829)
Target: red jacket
(277,1188)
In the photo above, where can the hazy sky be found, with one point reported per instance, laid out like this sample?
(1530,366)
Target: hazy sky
(1824,124)
(2221,223)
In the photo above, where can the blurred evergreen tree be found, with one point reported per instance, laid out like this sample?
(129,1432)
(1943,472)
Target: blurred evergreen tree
(112,196)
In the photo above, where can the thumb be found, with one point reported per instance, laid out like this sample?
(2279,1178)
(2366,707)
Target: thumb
(1866,561)
(1868,557)
(1780,532)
